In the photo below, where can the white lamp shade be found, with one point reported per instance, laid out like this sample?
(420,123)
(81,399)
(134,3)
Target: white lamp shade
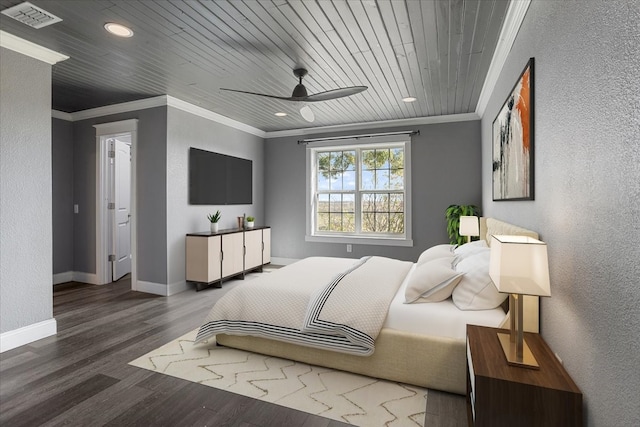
(519,265)
(469,226)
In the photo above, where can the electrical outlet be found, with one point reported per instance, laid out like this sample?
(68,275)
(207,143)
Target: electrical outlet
(349,248)
(76,209)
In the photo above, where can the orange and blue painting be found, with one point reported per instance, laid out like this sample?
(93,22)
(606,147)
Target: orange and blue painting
(513,142)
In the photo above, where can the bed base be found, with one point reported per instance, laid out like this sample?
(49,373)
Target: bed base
(426,361)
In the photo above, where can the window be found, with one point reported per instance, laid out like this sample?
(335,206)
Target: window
(360,193)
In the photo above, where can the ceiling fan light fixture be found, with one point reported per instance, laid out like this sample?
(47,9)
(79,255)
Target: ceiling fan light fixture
(409,99)
(307,113)
(280,114)
(118,29)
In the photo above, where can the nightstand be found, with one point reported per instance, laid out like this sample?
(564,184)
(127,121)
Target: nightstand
(502,395)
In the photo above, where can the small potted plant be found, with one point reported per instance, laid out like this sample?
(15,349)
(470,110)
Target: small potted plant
(453,214)
(213,219)
(250,221)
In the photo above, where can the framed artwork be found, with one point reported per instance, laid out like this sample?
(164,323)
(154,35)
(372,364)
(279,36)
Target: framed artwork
(513,142)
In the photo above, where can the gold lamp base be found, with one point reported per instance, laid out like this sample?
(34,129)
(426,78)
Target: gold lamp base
(526,360)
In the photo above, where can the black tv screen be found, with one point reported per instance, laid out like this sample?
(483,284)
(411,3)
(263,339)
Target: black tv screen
(218,179)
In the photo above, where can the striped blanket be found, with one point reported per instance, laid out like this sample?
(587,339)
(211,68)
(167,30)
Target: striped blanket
(330,303)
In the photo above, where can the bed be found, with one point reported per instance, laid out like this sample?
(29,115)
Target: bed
(419,344)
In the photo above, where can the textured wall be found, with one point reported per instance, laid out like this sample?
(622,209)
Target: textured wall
(151,192)
(587,133)
(185,130)
(444,167)
(26,290)
(62,182)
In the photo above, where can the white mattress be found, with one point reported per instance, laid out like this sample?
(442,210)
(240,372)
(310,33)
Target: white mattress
(440,319)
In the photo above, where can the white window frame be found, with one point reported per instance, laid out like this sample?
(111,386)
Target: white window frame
(363,239)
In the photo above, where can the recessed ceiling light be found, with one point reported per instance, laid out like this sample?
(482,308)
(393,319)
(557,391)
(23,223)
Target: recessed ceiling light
(118,30)
(281,114)
(409,99)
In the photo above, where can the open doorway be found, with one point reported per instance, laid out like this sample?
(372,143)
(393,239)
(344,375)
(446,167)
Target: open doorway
(116,201)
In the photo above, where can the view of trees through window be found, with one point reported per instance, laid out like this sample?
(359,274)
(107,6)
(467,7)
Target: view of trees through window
(364,184)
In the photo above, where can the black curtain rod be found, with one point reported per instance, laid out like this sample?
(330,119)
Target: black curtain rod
(369,135)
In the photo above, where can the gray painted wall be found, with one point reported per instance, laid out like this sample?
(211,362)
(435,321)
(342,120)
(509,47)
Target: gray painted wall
(445,171)
(587,128)
(26,291)
(185,130)
(151,192)
(62,179)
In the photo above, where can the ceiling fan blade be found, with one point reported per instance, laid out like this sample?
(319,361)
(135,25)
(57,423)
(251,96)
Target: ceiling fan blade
(284,98)
(335,93)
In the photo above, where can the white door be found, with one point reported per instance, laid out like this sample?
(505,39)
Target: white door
(122,209)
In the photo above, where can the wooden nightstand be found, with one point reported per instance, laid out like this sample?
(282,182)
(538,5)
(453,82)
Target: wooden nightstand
(502,395)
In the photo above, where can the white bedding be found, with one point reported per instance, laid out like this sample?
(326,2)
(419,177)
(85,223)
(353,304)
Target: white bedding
(442,319)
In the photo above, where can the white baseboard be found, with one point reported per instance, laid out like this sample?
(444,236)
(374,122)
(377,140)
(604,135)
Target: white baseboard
(283,261)
(177,287)
(27,334)
(91,278)
(65,277)
(152,288)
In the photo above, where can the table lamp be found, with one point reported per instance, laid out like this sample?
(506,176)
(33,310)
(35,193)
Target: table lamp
(519,266)
(469,226)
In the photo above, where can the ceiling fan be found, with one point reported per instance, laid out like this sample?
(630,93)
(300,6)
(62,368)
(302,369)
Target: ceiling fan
(300,94)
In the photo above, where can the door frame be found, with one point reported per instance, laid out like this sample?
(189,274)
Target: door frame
(102,198)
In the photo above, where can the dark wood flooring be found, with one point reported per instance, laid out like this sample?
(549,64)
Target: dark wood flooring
(81,376)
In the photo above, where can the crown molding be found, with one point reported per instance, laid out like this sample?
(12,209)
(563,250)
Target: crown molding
(374,125)
(512,22)
(61,115)
(215,117)
(125,107)
(9,41)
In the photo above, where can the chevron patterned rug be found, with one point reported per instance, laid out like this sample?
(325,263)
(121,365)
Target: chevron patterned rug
(350,398)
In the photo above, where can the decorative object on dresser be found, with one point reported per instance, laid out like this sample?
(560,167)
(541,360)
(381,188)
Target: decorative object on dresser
(499,394)
(469,227)
(453,214)
(519,266)
(212,258)
(513,142)
(250,221)
(214,219)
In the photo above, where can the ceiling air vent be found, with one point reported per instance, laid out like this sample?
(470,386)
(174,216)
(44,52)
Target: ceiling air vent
(31,15)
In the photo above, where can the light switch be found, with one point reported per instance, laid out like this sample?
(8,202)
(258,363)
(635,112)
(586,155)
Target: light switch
(75,208)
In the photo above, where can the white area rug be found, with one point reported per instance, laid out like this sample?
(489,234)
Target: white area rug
(339,395)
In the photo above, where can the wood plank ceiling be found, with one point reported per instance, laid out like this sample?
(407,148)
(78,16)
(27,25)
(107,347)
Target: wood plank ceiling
(438,51)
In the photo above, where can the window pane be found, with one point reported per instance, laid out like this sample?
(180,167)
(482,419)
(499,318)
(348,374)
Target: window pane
(323,222)
(336,203)
(368,159)
(368,202)
(323,162)
(382,223)
(368,180)
(336,160)
(382,179)
(396,203)
(397,158)
(323,203)
(349,180)
(349,223)
(335,222)
(349,203)
(336,180)
(382,203)
(382,159)
(397,179)
(368,222)
(349,160)
(396,223)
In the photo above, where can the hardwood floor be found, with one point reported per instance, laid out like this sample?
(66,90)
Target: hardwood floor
(80,377)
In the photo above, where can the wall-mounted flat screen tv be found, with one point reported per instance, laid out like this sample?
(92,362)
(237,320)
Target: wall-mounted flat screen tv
(218,179)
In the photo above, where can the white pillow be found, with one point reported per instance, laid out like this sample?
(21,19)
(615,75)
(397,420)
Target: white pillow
(432,281)
(470,248)
(435,252)
(476,290)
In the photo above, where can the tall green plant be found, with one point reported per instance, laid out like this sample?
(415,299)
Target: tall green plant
(453,214)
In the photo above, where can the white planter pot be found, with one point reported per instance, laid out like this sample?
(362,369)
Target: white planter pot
(249,224)
(214,227)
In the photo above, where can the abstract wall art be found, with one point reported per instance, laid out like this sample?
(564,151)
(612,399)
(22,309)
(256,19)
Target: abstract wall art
(513,142)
